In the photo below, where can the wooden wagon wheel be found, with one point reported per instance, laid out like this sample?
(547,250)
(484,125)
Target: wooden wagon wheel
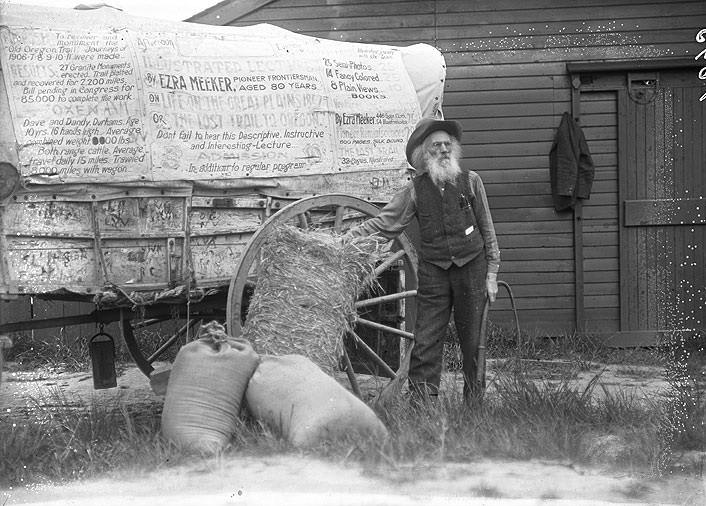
(328,212)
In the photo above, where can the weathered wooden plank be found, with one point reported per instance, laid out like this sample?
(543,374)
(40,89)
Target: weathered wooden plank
(521,201)
(455,40)
(600,212)
(610,29)
(481,164)
(52,218)
(599,289)
(462,5)
(142,261)
(650,212)
(542,227)
(602,300)
(513,96)
(476,124)
(534,163)
(15,310)
(604,199)
(464,110)
(373,185)
(215,258)
(504,136)
(537,266)
(473,84)
(536,253)
(400,37)
(210,221)
(457,6)
(601,264)
(599,239)
(370,10)
(141,216)
(607,53)
(528,112)
(38,263)
(527,304)
(285,4)
(555,70)
(510,136)
(602,277)
(604,251)
(534,241)
(591,226)
(529,175)
(354,26)
(524,215)
(534,278)
(526,149)
(526,291)
(496,191)
(570,13)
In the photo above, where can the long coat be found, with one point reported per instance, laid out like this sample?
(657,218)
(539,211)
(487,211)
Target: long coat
(570,165)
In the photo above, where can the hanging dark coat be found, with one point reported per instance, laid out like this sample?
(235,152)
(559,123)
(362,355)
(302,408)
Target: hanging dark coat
(570,165)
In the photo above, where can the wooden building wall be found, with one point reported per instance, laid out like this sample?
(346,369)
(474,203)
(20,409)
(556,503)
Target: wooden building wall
(507,83)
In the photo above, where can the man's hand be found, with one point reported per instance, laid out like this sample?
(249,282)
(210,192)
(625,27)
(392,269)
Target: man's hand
(491,283)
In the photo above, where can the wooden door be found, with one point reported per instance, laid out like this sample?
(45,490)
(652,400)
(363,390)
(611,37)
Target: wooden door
(663,198)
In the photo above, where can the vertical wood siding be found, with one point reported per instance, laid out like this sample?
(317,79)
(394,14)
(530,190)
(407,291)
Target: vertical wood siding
(599,122)
(507,84)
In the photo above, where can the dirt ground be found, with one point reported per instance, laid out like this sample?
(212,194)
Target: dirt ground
(300,479)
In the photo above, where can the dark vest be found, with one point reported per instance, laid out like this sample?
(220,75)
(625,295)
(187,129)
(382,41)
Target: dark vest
(448,228)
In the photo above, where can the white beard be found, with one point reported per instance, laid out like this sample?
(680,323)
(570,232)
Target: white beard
(443,171)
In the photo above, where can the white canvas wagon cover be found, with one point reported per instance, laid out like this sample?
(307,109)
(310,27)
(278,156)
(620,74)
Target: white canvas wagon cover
(98,96)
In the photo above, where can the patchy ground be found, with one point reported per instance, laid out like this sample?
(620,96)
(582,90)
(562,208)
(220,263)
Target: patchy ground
(301,479)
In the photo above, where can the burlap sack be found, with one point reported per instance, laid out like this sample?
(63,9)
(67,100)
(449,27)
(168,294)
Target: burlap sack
(296,398)
(206,388)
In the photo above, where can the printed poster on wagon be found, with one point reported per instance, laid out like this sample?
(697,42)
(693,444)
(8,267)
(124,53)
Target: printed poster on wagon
(121,105)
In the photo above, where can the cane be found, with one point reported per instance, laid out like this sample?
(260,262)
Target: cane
(480,371)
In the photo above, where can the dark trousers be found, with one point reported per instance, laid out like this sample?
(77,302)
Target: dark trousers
(441,290)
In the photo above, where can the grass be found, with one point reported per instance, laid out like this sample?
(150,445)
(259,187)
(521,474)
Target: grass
(522,417)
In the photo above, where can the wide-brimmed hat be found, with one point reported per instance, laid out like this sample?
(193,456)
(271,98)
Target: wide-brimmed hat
(427,126)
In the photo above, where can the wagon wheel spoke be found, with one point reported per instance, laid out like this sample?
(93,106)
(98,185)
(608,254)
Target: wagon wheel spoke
(351,374)
(134,348)
(136,344)
(303,221)
(181,332)
(386,328)
(385,298)
(373,356)
(338,220)
(387,263)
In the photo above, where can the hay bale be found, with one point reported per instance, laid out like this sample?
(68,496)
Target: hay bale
(307,286)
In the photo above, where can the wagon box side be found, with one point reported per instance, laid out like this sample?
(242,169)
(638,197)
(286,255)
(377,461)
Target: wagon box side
(148,152)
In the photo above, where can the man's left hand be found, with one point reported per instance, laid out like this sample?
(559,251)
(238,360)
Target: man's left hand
(491,283)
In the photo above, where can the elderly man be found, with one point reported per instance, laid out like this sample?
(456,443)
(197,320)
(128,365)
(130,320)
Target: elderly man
(458,258)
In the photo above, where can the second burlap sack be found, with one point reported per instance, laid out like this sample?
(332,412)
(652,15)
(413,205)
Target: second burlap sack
(290,394)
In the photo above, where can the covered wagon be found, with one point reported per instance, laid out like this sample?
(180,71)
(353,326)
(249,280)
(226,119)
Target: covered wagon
(142,159)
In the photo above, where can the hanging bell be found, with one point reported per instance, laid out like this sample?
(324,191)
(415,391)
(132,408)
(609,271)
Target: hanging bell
(102,351)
